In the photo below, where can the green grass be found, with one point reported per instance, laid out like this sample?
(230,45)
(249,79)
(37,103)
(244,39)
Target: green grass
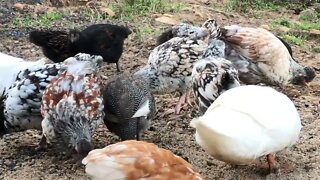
(291,39)
(248,5)
(130,9)
(304,25)
(43,20)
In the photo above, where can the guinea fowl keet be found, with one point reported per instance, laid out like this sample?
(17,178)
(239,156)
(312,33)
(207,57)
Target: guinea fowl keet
(72,105)
(128,105)
(248,122)
(130,160)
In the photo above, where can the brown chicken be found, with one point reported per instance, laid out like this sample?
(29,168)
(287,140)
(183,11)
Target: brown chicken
(131,160)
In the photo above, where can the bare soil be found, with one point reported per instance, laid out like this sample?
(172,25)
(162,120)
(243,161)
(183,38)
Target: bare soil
(19,160)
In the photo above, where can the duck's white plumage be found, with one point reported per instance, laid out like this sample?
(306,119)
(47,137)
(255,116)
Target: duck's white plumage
(10,66)
(247,122)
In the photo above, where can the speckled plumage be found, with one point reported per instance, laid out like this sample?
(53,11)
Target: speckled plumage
(72,103)
(211,77)
(129,106)
(183,30)
(23,99)
(10,66)
(170,65)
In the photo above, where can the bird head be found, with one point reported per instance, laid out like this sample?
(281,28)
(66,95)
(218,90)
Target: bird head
(82,64)
(83,147)
(213,28)
(304,76)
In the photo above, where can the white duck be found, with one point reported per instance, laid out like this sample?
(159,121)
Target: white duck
(10,67)
(248,122)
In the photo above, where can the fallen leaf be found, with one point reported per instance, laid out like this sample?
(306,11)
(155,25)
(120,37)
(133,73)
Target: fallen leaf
(168,19)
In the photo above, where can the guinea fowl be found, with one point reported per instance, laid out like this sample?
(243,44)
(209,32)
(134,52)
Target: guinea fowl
(105,40)
(72,104)
(213,75)
(128,105)
(170,66)
(261,57)
(10,67)
(183,30)
(248,122)
(137,160)
(22,100)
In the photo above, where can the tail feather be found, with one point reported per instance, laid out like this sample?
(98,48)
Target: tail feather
(2,117)
(165,36)
(48,38)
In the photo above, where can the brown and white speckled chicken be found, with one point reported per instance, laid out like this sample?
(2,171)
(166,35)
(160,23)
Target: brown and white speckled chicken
(128,105)
(170,66)
(72,104)
(130,160)
(261,57)
(213,75)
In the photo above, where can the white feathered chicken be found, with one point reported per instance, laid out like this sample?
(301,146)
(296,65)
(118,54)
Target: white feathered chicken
(261,57)
(248,122)
(72,104)
(10,67)
(22,100)
(137,160)
(170,66)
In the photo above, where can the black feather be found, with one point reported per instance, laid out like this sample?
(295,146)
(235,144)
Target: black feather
(165,36)
(105,40)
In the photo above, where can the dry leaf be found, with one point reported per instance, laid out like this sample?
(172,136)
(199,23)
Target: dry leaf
(108,11)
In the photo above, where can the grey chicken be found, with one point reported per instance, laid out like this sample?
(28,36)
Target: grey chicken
(183,30)
(261,57)
(170,66)
(72,104)
(128,105)
(213,75)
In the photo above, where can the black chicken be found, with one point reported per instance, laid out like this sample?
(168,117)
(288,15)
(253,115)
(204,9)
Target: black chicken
(105,40)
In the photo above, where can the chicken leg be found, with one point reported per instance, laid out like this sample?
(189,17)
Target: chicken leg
(184,100)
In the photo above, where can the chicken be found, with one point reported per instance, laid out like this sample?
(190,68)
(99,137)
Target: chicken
(128,105)
(182,30)
(133,160)
(72,105)
(211,77)
(22,100)
(248,122)
(105,40)
(170,66)
(261,57)
(10,67)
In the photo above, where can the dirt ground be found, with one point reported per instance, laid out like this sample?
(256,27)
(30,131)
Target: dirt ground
(19,160)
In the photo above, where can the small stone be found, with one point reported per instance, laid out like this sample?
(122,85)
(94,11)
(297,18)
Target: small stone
(284,29)
(314,32)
